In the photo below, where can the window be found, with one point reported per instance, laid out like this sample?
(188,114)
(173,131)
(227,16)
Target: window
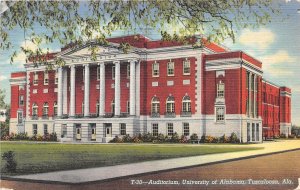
(155,105)
(46,78)
(186,129)
(35,78)
(220,90)
(123,129)
(45,129)
(170,104)
(186,67)
(34,109)
(20,117)
(220,113)
(56,78)
(247,80)
(64,130)
(55,109)
(45,109)
(98,73)
(155,69)
(257,132)
(97,107)
(113,70)
(170,69)
(128,70)
(248,132)
(253,131)
(113,106)
(82,108)
(34,129)
(186,104)
(170,129)
(155,129)
(128,107)
(252,82)
(21,100)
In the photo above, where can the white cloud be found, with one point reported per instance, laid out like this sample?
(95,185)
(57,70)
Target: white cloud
(260,39)
(290,1)
(3,78)
(279,63)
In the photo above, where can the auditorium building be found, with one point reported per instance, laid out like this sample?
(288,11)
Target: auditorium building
(157,87)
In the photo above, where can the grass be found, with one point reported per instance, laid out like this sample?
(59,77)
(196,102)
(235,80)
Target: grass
(46,157)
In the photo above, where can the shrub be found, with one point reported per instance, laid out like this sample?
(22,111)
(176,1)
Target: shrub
(210,139)
(234,138)
(292,136)
(117,139)
(282,135)
(183,139)
(53,137)
(194,136)
(11,164)
(175,138)
(147,137)
(127,138)
(136,139)
(161,138)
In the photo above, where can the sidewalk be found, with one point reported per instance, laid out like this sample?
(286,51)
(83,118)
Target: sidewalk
(110,172)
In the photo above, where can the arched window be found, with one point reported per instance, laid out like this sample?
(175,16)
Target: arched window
(186,104)
(170,104)
(55,109)
(34,109)
(155,105)
(45,109)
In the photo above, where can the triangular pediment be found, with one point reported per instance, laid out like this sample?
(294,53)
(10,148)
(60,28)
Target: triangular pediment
(85,51)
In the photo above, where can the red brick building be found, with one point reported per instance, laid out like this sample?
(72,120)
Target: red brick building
(157,87)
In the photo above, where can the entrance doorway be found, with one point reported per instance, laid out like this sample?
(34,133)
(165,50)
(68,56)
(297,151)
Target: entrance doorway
(107,128)
(93,129)
(78,132)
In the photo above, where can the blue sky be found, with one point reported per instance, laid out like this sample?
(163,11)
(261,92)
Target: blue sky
(277,45)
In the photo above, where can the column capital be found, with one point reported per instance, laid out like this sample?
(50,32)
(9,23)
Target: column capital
(86,65)
(101,63)
(70,66)
(133,60)
(116,62)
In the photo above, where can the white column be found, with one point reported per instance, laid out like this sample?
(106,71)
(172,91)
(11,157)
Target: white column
(65,91)
(86,90)
(117,88)
(59,92)
(102,90)
(132,88)
(72,92)
(249,94)
(254,98)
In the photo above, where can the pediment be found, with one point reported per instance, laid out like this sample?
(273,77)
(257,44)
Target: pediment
(85,51)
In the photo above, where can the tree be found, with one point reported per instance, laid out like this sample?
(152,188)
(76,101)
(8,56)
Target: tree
(80,22)
(4,126)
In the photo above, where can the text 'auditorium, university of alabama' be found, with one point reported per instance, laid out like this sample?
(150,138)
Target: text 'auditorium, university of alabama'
(158,87)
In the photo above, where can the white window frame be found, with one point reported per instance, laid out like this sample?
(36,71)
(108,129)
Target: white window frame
(155,105)
(21,100)
(186,129)
(170,105)
(170,68)
(155,69)
(186,104)
(35,78)
(56,78)
(45,109)
(220,92)
(220,118)
(123,129)
(128,71)
(45,127)
(34,129)
(35,109)
(155,129)
(55,108)
(113,72)
(98,73)
(46,77)
(20,116)
(170,129)
(186,67)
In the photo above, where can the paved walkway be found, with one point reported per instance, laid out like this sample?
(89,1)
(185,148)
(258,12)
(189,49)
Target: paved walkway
(110,172)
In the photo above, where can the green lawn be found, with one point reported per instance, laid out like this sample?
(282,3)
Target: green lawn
(45,157)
